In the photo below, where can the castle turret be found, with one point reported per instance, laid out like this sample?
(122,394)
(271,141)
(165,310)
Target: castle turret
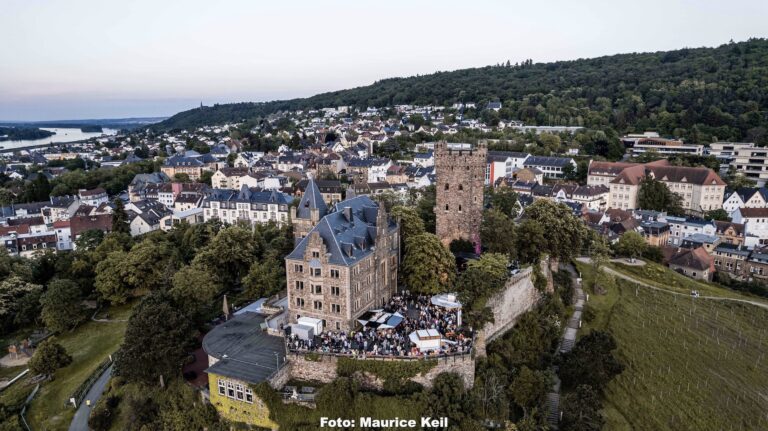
(460,171)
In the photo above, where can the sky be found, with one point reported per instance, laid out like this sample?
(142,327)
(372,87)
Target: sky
(80,59)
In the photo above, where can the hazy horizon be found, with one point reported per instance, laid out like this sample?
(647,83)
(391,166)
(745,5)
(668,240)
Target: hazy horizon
(89,59)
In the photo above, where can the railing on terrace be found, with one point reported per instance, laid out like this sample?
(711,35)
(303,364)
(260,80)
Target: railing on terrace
(446,356)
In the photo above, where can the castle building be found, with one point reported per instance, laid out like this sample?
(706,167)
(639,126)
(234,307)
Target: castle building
(460,170)
(345,265)
(307,214)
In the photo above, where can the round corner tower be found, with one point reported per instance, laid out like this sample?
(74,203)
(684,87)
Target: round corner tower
(460,178)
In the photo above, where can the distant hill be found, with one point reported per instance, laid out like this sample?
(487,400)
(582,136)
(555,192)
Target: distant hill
(696,93)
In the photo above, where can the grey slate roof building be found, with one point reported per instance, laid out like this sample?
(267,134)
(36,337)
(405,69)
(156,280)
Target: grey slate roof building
(241,350)
(345,265)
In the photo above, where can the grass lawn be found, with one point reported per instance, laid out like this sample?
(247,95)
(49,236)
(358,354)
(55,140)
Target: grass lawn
(89,345)
(11,372)
(690,364)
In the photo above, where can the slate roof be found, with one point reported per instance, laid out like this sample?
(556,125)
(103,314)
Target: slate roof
(244,351)
(695,259)
(753,212)
(312,199)
(349,231)
(252,195)
(500,156)
(547,161)
(180,160)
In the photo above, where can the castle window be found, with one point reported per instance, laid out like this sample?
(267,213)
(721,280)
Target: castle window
(317,305)
(299,302)
(316,288)
(315,254)
(299,285)
(249,395)
(459,208)
(316,272)
(336,308)
(447,186)
(222,387)
(239,394)
(298,268)
(446,207)
(461,187)
(230,390)
(335,290)
(334,273)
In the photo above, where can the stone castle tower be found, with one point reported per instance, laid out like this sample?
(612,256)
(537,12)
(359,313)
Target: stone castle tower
(460,171)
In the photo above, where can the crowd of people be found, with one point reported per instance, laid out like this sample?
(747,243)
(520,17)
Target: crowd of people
(418,313)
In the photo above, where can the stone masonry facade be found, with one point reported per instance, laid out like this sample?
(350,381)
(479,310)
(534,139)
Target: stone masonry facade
(460,170)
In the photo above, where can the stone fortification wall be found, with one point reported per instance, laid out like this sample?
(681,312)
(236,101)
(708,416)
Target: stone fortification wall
(323,369)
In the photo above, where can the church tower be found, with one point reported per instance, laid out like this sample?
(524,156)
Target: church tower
(460,171)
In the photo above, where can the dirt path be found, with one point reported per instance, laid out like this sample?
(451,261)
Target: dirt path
(650,286)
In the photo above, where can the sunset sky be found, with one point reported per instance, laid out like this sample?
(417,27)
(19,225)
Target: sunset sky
(103,59)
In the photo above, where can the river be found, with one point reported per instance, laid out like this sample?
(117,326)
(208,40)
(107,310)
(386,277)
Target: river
(62,135)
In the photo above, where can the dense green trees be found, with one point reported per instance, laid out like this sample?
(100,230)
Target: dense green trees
(48,357)
(655,195)
(19,302)
(699,94)
(581,410)
(498,234)
(563,233)
(62,307)
(156,340)
(631,244)
(591,362)
(428,267)
(120,222)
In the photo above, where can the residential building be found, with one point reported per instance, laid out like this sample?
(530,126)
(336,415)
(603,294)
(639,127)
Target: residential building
(700,189)
(683,227)
(665,147)
(731,258)
(726,151)
(695,263)
(331,190)
(755,221)
(552,167)
(752,162)
(228,178)
(746,198)
(246,205)
(93,197)
(345,266)
(242,355)
(502,164)
(460,170)
(729,232)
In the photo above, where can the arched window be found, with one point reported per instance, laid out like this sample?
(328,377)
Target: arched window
(447,186)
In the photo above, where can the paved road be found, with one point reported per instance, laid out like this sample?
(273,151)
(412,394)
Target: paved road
(80,421)
(644,284)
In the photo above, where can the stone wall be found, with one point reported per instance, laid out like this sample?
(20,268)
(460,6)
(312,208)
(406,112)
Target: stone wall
(518,296)
(323,370)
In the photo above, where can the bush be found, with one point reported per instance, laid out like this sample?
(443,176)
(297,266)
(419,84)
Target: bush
(103,413)
(395,374)
(49,357)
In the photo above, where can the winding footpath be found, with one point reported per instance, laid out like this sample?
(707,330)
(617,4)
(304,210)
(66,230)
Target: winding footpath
(80,420)
(650,286)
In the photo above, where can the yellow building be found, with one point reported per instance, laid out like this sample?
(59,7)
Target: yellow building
(236,402)
(240,356)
